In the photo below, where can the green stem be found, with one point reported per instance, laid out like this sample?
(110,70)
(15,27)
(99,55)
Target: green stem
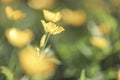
(4,70)
(11,23)
(12,61)
(2,39)
(48,36)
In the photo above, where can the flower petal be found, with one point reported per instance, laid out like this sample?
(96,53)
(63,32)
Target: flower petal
(14,14)
(59,30)
(9,12)
(51,27)
(44,25)
(54,17)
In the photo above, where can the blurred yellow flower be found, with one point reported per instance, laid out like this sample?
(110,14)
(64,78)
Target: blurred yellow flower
(118,75)
(54,17)
(19,38)
(14,14)
(51,27)
(73,17)
(41,4)
(5,1)
(99,42)
(104,29)
(35,63)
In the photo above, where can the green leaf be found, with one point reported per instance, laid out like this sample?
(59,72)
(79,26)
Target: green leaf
(42,41)
(6,72)
(82,76)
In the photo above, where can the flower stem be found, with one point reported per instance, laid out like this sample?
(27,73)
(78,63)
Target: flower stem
(48,36)
(2,39)
(12,61)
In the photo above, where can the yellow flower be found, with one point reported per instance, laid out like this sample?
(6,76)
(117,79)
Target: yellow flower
(105,29)
(73,17)
(14,14)
(51,27)
(5,1)
(99,42)
(19,38)
(35,63)
(41,4)
(54,17)
(118,74)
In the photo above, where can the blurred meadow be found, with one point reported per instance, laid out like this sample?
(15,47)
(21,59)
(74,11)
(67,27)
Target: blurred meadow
(59,40)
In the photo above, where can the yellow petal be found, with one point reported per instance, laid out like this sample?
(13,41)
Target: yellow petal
(9,12)
(17,15)
(59,30)
(51,27)
(44,25)
(19,38)
(48,27)
(14,14)
(54,17)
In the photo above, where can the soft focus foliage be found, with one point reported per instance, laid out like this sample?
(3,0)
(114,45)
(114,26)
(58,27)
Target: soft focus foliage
(59,39)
